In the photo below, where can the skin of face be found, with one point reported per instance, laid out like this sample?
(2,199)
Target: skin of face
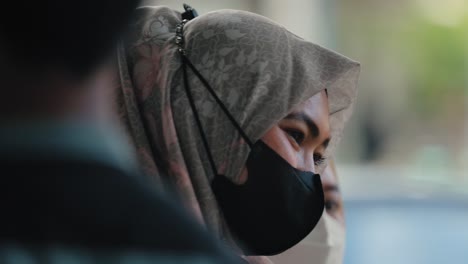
(302,137)
(333,199)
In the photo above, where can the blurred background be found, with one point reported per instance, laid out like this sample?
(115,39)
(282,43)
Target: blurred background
(403,164)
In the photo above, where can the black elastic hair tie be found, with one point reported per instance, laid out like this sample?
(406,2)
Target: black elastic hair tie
(190,13)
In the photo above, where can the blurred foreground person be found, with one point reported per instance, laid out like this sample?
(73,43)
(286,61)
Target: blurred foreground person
(325,244)
(68,187)
(237,115)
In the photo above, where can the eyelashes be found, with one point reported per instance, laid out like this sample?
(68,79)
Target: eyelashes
(299,137)
(319,159)
(331,205)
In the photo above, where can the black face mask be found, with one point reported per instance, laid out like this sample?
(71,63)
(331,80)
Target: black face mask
(277,206)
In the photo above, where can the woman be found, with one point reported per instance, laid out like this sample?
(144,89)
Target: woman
(333,200)
(325,244)
(207,101)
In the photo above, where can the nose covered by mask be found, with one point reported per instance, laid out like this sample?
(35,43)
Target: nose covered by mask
(324,245)
(277,206)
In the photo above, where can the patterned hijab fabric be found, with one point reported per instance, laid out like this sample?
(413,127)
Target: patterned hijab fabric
(259,69)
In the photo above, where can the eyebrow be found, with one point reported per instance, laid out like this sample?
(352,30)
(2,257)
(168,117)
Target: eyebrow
(310,124)
(314,130)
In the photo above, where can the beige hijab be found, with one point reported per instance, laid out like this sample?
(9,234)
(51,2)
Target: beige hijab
(259,69)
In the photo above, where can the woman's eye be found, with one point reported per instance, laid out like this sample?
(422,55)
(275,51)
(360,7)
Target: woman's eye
(318,159)
(331,205)
(298,136)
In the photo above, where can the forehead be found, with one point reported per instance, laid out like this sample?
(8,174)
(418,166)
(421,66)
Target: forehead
(316,108)
(315,105)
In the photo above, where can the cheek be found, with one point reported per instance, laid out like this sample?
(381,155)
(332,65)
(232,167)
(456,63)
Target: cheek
(276,139)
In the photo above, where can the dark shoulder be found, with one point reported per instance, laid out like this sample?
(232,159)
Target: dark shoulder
(91,205)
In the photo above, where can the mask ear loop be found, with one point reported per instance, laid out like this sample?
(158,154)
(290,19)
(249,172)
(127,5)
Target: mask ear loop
(220,103)
(185,61)
(197,117)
